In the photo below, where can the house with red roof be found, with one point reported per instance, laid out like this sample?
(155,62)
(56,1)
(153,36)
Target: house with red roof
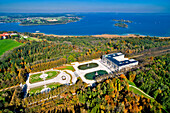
(4,35)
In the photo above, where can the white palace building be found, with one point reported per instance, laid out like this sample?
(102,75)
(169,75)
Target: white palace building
(117,61)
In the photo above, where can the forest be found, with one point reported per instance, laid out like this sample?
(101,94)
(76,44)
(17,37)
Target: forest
(34,56)
(39,55)
(111,95)
(154,79)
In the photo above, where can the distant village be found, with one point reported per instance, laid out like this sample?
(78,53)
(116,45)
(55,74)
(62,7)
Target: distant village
(6,35)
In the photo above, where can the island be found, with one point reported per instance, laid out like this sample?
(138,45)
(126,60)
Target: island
(125,21)
(121,23)
(40,19)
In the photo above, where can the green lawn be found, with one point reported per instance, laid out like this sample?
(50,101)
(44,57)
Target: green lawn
(65,68)
(136,91)
(53,85)
(131,83)
(52,74)
(32,38)
(36,90)
(8,44)
(35,78)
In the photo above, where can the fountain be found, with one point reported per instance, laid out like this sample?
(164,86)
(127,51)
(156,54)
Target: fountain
(88,65)
(96,73)
(63,77)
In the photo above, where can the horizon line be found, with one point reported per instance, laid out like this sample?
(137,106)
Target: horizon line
(91,12)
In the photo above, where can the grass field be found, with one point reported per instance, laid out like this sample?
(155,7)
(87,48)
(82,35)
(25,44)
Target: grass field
(131,83)
(35,78)
(53,85)
(65,68)
(32,38)
(136,91)
(36,90)
(8,44)
(52,74)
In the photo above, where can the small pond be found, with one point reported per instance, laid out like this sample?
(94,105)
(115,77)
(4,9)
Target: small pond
(92,75)
(87,66)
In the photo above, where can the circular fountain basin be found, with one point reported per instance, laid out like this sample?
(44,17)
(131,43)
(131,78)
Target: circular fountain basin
(88,66)
(92,75)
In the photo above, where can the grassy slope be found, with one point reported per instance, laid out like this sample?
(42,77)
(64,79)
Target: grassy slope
(136,91)
(32,38)
(7,44)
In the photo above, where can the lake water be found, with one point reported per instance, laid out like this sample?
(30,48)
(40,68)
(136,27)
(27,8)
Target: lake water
(101,23)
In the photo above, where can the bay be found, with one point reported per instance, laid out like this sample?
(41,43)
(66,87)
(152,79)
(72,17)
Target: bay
(101,23)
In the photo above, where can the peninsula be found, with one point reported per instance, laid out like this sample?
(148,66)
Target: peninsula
(39,20)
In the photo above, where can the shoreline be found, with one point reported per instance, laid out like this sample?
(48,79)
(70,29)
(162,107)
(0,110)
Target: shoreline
(103,35)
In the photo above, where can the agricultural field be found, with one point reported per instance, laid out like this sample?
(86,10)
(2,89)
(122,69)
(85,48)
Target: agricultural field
(8,44)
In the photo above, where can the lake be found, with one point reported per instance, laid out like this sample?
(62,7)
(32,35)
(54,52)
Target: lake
(101,23)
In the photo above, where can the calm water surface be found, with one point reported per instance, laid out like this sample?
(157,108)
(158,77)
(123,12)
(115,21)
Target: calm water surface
(101,23)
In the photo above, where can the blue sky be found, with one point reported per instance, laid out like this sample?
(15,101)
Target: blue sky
(56,6)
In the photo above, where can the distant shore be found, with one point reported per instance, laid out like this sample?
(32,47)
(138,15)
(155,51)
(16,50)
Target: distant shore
(102,35)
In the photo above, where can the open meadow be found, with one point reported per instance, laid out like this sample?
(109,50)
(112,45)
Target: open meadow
(8,44)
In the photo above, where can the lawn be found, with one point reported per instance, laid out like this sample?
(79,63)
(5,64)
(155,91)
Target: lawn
(35,78)
(53,85)
(136,91)
(8,44)
(131,83)
(32,38)
(66,68)
(36,90)
(52,74)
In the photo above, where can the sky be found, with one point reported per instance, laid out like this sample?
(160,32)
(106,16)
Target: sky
(66,6)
